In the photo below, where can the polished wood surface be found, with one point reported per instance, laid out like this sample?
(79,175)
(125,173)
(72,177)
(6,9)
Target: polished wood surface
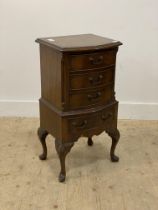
(92,60)
(77,92)
(78,42)
(99,96)
(92,79)
(51,81)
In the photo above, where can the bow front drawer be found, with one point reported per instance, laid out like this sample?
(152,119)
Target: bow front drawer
(91,79)
(90,121)
(82,99)
(92,60)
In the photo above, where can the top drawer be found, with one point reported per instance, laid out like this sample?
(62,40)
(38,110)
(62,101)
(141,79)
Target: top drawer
(92,60)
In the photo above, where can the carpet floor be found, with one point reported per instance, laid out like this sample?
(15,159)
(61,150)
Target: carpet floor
(92,183)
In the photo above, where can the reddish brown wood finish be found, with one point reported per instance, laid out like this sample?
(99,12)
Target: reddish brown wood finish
(77,92)
(92,60)
(92,79)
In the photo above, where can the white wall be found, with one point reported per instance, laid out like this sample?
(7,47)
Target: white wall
(135,23)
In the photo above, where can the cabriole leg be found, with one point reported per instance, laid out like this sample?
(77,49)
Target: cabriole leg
(90,141)
(62,149)
(42,134)
(115,135)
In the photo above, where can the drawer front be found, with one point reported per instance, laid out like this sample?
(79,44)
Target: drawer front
(84,99)
(91,79)
(99,119)
(92,60)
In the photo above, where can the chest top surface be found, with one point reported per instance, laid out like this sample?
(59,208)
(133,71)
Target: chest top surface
(78,42)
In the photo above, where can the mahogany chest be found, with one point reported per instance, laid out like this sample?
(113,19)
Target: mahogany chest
(77,91)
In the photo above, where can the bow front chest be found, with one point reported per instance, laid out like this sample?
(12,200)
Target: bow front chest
(77,92)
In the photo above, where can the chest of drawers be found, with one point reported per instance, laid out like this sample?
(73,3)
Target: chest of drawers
(77,92)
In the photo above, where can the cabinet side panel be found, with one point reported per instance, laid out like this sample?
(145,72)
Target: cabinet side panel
(50,120)
(50,75)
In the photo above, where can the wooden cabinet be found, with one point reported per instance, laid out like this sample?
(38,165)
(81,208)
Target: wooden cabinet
(77,91)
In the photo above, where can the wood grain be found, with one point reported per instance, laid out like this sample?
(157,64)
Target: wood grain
(61,94)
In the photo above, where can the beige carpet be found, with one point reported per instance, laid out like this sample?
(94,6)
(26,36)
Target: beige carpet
(93,182)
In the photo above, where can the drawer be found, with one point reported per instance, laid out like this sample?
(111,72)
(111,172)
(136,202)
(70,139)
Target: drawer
(99,96)
(92,60)
(99,119)
(91,79)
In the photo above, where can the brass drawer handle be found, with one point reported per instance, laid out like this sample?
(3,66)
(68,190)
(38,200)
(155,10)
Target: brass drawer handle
(96,81)
(97,61)
(80,125)
(105,117)
(94,96)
